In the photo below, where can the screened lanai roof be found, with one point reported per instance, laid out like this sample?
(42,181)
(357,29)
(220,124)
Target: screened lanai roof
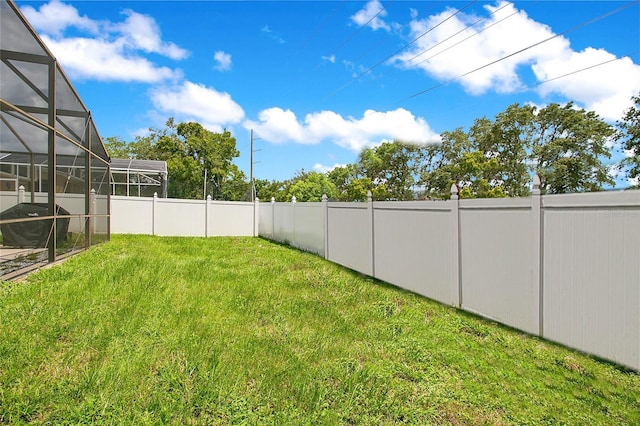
(143,166)
(30,78)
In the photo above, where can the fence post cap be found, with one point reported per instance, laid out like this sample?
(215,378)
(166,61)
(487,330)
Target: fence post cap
(536,182)
(293,198)
(273,199)
(209,197)
(324,197)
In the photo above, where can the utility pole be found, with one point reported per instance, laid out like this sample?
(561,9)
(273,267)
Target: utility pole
(251,185)
(251,170)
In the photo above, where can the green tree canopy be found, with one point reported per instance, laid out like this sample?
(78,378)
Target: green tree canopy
(199,161)
(311,186)
(569,146)
(628,134)
(564,145)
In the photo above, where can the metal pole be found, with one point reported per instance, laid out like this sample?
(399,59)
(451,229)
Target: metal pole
(251,170)
(204,190)
(51,164)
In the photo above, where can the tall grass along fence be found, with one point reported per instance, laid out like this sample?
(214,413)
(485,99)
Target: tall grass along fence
(174,217)
(564,267)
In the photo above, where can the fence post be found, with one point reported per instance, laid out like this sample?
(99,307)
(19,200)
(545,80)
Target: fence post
(371,232)
(456,261)
(536,227)
(21,191)
(153,213)
(207,212)
(273,218)
(325,216)
(92,212)
(293,220)
(256,217)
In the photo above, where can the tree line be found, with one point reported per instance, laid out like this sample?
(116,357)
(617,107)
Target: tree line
(568,147)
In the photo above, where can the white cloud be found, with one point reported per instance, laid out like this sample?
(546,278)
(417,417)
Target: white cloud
(279,126)
(142,32)
(447,62)
(54,17)
(273,36)
(103,60)
(195,102)
(110,51)
(371,16)
(331,58)
(606,89)
(223,60)
(324,169)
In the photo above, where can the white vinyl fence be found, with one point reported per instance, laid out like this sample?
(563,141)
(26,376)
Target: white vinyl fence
(564,267)
(174,217)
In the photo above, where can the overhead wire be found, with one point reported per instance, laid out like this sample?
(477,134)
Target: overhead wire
(368,70)
(574,28)
(397,30)
(352,35)
(459,32)
(455,34)
(321,25)
(582,69)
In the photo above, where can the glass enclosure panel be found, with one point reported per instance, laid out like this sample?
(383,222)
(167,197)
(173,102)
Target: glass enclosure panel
(15,35)
(19,133)
(35,228)
(75,128)
(66,97)
(100,176)
(99,229)
(24,83)
(96,143)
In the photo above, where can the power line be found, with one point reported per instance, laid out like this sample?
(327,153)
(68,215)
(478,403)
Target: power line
(463,40)
(400,49)
(583,24)
(322,25)
(459,32)
(364,53)
(584,69)
(352,35)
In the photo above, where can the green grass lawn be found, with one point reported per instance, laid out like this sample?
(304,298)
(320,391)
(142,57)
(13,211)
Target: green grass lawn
(149,330)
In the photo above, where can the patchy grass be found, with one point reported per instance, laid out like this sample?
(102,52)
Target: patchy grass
(148,330)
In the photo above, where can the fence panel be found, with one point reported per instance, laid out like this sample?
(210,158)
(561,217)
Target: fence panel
(265,220)
(592,273)
(179,217)
(173,217)
(233,219)
(350,241)
(562,266)
(131,215)
(283,222)
(309,227)
(496,261)
(413,248)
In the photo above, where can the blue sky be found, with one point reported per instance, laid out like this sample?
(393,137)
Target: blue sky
(319,80)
